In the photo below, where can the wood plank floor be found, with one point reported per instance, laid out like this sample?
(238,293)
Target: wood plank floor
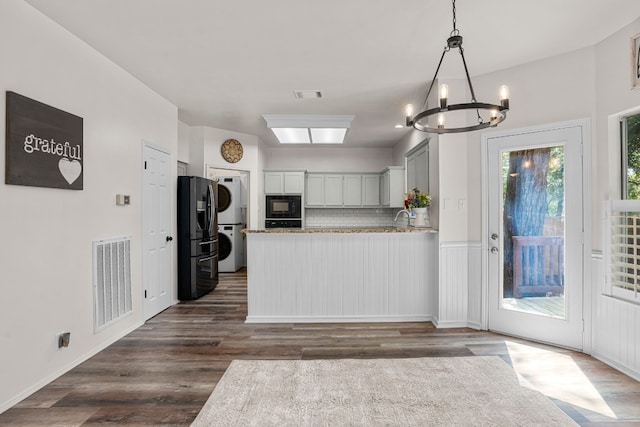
(162,373)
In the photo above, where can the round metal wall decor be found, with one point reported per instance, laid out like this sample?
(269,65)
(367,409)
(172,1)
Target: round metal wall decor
(231,150)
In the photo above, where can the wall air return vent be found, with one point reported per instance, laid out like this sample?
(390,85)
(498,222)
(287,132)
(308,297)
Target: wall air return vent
(111,281)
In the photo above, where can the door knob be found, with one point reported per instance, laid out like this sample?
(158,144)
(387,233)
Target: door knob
(494,236)
(494,250)
(169,238)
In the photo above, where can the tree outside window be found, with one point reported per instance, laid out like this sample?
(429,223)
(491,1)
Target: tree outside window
(631,158)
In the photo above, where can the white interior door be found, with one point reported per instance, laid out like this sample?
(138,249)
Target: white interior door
(156,212)
(534,236)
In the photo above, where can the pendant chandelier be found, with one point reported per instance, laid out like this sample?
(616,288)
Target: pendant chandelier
(494,114)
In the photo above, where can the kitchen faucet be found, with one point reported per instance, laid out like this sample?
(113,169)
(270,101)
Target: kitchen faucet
(403,211)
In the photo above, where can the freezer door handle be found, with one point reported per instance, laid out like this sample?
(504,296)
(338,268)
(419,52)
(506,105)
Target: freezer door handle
(208,258)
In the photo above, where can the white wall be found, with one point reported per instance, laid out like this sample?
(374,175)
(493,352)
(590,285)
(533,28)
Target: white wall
(330,159)
(453,169)
(204,152)
(196,166)
(183,142)
(45,258)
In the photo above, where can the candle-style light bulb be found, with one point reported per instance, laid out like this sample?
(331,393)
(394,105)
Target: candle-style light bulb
(440,121)
(444,95)
(409,114)
(504,96)
(409,110)
(494,114)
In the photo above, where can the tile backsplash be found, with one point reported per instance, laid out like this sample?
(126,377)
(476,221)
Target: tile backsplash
(361,217)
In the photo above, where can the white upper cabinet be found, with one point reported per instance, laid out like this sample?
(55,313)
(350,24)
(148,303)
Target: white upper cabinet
(418,168)
(315,190)
(273,183)
(371,190)
(352,190)
(342,190)
(333,190)
(283,182)
(324,190)
(392,187)
(293,182)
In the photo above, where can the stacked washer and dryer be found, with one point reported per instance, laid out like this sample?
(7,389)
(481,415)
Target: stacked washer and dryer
(230,243)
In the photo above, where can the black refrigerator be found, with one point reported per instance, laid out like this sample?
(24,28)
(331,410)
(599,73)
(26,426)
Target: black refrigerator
(197,237)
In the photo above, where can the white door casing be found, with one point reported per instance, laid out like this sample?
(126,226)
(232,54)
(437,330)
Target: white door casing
(157,226)
(567,331)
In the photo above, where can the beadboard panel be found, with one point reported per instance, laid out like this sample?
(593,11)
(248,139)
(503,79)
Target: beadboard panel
(453,294)
(474,305)
(616,329)
(328,277)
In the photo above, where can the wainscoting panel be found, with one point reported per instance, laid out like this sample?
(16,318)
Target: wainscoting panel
(328,277)
(474,309)
(453,292)
(616,327)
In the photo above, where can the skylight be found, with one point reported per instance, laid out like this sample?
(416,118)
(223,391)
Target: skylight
(309,129)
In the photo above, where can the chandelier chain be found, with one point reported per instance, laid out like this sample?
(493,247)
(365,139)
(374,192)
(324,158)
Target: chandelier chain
(454,16)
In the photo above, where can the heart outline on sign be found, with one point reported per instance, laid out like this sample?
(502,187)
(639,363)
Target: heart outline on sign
(70,169)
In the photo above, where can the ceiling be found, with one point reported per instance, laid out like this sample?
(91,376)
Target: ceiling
(226,63)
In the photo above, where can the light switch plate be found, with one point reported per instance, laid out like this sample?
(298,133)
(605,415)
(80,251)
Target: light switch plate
(122,199)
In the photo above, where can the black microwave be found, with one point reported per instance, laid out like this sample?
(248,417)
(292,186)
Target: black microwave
(284,207)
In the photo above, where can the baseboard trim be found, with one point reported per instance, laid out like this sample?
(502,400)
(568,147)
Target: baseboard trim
(337,319)
(451,324)
(474,325)
(624,369)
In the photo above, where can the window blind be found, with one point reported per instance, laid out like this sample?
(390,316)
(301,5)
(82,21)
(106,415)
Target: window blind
(622,248)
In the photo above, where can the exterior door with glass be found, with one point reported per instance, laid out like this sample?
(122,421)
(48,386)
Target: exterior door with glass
(535,234)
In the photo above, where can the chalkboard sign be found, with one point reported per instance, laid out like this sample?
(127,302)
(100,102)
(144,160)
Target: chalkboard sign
(43,145)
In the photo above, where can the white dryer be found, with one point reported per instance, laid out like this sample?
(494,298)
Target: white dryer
(229,200)
(230,248)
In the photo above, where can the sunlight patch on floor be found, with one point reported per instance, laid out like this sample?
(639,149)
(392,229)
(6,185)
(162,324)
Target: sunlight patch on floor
(557,376)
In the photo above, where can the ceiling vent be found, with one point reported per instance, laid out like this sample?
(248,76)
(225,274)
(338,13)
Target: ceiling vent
(306,94)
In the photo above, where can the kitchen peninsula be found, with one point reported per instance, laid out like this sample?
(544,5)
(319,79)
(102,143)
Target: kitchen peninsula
(341,274)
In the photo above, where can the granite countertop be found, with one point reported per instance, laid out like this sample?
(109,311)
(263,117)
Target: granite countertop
(342,230)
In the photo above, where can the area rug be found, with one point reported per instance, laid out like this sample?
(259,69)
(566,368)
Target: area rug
(460,391)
